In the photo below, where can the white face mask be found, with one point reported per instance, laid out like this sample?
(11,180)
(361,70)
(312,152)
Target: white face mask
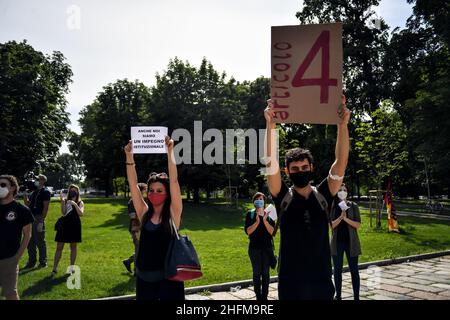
(4,192)
(342,195)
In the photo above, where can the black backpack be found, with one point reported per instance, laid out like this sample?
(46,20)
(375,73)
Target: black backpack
(287,199)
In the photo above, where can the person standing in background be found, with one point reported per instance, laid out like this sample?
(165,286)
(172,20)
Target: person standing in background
(68,226)
(346,221)
(260,227)
(15,233)
(134,228)
(38,202)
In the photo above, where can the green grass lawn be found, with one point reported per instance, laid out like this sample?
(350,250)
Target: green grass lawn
(218,235)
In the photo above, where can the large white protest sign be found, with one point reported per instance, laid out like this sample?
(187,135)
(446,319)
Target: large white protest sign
(148,139)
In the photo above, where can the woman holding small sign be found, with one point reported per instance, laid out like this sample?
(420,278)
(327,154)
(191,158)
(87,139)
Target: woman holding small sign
(164,204)
(346,221)
(260,228)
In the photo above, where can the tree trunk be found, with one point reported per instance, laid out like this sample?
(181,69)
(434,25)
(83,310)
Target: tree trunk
(196,195)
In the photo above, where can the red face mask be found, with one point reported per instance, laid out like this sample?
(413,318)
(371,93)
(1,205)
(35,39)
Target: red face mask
(157,198)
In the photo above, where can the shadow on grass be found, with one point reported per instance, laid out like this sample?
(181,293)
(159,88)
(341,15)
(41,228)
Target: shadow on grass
(119,220)
(123,287)
(25,271)
(44,285)
(111,201)
(213,215)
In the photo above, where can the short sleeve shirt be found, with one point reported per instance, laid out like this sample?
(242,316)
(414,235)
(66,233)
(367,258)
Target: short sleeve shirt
(304,226)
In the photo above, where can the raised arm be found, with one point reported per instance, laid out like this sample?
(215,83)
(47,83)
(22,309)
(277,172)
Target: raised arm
(176,203)
(337,170)
(253,227)
(138,201)
(338,220)
(79,208)
(272,166)
(270,229)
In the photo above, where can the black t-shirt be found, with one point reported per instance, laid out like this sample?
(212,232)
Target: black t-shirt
(13,217)
(304,248)
(260,238)
(37,199)
(342,229)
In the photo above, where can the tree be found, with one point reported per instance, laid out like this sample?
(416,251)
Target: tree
(184,94)
(364,48)
(380,146)
(105,125)
(419,69)
(32,107)
(67,170)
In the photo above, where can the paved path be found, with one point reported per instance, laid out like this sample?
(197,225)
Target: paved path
(425,215)
(418,280)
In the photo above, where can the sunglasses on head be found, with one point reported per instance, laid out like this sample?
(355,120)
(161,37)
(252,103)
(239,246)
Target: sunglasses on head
(161,175)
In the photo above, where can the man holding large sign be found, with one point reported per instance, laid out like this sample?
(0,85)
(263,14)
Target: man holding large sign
(306,83)
(303,210)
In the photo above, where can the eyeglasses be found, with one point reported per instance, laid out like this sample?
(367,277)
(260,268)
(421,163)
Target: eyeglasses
(161,175)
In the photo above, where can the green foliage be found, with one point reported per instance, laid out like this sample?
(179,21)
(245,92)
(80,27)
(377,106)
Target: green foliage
(68,169)
(380,145)
(32,107)
(105,128)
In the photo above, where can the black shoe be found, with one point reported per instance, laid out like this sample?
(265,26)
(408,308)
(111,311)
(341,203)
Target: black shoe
(42,265)
(29,265)
(127,264)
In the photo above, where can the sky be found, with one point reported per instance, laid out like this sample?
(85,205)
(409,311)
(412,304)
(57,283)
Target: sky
(106,40)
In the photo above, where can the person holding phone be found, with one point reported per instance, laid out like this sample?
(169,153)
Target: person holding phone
(68,226)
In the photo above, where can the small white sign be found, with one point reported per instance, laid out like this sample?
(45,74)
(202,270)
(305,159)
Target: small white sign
(149,139)
(343,205)
(272,211)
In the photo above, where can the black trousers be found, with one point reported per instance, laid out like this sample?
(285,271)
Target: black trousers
(295,289)
(260,259)
(37,241)
(164,290)
(338,262)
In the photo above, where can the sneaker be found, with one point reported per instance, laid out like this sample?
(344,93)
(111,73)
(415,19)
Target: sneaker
(42,265)
(127,264)
(29,265)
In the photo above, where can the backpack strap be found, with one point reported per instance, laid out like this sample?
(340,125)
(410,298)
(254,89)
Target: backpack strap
(252,214)
(287,199)
(322,202)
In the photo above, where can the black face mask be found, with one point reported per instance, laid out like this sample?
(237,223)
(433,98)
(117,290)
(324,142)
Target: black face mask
(73,194)
(301,179)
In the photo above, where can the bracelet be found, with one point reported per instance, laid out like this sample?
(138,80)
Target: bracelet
(335,177)
(130,163)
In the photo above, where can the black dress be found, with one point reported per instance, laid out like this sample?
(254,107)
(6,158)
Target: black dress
(70,230)
(153,247)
